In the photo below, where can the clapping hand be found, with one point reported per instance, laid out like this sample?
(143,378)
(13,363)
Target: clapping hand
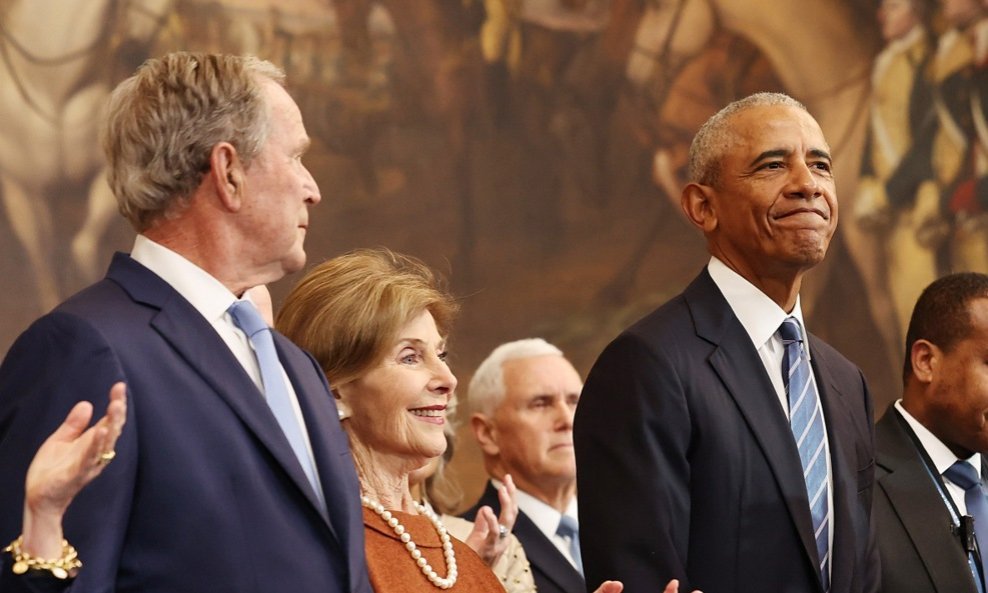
(489,536)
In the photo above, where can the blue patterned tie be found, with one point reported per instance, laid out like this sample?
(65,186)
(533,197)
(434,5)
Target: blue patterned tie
(568,529)
(246,317)
(964,475)
(806,421)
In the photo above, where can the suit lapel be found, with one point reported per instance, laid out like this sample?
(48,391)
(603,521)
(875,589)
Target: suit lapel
(919,507)
(542,554)
(320,414)
(195,340)
(332,454)
(742,372)
(545,557)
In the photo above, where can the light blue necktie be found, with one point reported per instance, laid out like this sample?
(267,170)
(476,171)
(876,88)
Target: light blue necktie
(568,529)
(246,317)
(806,421)
(964,475)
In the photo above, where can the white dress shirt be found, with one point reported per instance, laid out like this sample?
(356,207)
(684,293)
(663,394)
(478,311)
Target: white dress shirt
(941,456)
(546,518)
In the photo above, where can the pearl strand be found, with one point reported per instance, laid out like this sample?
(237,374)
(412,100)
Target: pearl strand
(414,552)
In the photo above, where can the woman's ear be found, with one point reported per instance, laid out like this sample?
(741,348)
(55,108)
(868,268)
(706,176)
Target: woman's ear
(342,408)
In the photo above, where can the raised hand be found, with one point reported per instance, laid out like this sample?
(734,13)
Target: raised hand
(70,458)
(489,536)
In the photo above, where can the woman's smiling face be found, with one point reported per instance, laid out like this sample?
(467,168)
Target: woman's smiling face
(398,408)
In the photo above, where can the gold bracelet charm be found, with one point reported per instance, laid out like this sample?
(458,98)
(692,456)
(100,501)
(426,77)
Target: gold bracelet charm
(61,568)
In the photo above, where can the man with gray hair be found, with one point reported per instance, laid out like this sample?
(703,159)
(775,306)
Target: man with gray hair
(232,474)
(522,399)
(717,441)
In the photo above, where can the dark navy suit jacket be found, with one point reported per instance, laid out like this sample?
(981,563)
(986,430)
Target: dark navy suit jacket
(687,468)
(552,572)
(205,493)
(920,553)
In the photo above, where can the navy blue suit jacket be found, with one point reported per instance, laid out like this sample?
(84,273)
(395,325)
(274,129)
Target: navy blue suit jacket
(205,493)
(552,572)
(687,468)
(920,553)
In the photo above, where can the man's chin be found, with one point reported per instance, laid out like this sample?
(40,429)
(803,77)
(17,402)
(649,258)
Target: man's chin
(294,262)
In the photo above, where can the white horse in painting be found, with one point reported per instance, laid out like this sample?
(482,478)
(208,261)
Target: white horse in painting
(56,59)
(822,59)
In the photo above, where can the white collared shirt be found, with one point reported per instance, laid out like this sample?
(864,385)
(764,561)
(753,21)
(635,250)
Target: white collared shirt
(212,300)
(546,518)
(761,318)
(941,456)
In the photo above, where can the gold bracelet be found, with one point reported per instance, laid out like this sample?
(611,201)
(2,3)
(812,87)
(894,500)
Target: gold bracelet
(62,568)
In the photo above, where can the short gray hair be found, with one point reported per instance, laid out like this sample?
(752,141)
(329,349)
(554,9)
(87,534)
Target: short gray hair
(487,384)
(715,135)
(163,122)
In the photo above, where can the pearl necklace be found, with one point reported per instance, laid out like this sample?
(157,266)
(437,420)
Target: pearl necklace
(416,554)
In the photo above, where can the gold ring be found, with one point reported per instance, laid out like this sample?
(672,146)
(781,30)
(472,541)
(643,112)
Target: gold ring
(106,457)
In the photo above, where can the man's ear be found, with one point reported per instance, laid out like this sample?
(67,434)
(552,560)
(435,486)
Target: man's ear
(485,433)
(925,358)
(697,203)
(227,173)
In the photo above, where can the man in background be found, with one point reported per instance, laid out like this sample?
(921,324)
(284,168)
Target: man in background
(931,446)
(522,398)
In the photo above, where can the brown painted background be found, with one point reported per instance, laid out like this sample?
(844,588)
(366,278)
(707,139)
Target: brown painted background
(535,162)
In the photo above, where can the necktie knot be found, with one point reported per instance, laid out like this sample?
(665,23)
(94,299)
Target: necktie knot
(789,331)
(567,527)
(963,474)
(246,317)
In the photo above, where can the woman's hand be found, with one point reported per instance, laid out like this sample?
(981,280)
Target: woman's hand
(617,587)
(68,460)
(487,538)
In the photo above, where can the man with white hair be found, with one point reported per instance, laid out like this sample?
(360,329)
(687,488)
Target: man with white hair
(523,397)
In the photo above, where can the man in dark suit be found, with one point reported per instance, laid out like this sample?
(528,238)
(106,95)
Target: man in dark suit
(522,398)
(688,466)
(212,488)
(939,422)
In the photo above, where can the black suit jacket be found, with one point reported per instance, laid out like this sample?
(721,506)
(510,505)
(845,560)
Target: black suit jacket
(687,468)
(919,552)
(553,573)
(205,493)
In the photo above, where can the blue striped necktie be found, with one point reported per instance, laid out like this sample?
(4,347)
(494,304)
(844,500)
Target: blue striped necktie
(806,421)
(246,317)
(964,475)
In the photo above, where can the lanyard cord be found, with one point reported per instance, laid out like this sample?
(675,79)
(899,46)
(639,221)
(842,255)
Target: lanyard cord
(963,526)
